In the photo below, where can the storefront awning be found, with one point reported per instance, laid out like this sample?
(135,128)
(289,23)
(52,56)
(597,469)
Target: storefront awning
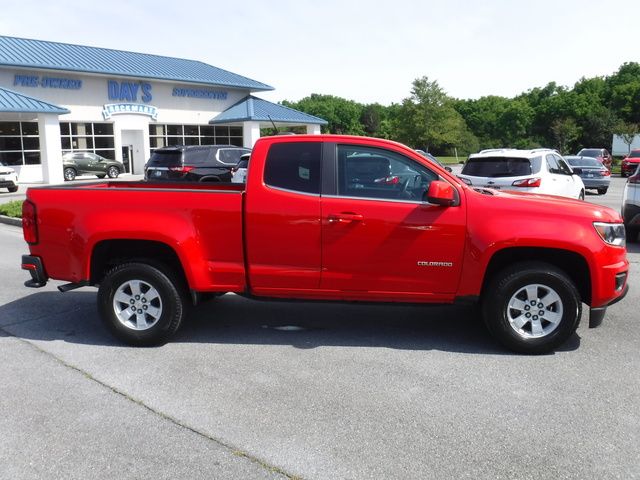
(15,102)
(254,109)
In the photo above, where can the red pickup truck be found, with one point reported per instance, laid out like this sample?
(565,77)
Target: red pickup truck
(325,217)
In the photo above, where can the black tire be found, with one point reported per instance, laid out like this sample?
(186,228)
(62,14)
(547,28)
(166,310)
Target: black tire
(101,176)
(113,172)
(537,328)
(165,310)
(581,196)
(632,234)
(12,189)
(602,191)
(69,174)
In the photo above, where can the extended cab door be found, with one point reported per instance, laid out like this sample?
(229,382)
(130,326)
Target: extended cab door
(282,217)
(380,238)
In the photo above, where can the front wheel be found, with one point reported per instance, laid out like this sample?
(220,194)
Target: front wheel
(69,174)
(531,307)
(113,172)
(140,304)
(12,189)
(581,196)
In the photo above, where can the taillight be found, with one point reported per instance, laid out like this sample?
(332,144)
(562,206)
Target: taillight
(29,222)
(605,173)
(183,170)
(390,180)
(528,182)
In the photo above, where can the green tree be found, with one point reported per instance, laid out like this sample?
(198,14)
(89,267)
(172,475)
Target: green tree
(565,131)
(627,132)
(343,115)
(623,92)
(428,120)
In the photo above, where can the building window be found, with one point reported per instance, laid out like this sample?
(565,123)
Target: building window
(19,143)
(88,137)
(161,135)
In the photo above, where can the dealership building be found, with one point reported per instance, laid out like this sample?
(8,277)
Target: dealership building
(57,98)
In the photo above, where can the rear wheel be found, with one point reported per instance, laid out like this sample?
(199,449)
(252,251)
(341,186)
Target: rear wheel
(602,191)
(69,174)
(531,307)
(141,304)
(12,189)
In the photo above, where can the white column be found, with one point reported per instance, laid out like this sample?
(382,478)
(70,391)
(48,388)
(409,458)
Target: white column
(313,129)
(250,133)
(50,148)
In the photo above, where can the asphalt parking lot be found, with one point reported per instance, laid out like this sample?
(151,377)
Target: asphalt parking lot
(315,391)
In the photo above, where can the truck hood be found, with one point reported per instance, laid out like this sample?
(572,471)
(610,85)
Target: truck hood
(551,205)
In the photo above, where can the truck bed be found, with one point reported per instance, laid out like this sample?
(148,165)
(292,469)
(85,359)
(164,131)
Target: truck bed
(203,219)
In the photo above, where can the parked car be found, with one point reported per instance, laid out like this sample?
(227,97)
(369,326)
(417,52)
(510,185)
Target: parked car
(8,178)
(433,159)
(630,163)
(535,171)
(87,163)
(601,154)
(593,173)
(631,206)
(193,163)
(239,172)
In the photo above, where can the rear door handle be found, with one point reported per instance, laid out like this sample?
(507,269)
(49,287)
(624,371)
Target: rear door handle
(344,217)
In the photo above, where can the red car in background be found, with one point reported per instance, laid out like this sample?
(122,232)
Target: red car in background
(601,154)
(630,163)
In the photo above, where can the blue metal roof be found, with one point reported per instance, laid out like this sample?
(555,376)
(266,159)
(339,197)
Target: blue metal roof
(256,109)
(15,102)
(21,52)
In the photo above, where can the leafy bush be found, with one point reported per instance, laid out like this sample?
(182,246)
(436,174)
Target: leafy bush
(12,209)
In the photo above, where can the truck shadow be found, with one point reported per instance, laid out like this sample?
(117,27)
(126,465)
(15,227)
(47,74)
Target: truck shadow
(230,319)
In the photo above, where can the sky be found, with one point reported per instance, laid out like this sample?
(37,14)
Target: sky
(367,51)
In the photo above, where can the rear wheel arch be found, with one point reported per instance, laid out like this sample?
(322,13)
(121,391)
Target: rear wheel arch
(108,254)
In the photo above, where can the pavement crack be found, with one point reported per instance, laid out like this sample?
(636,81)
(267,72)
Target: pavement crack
(234,450)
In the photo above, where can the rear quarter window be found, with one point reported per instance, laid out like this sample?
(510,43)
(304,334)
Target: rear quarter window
(165,159)
(231,156)
(294,166)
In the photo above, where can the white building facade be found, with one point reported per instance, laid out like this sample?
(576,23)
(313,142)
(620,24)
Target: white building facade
(111,111)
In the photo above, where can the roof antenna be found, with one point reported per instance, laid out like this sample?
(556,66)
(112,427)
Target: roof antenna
(275,129)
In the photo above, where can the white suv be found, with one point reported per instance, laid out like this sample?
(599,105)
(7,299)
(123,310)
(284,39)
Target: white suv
(631,206)
(536,171)
(8,178)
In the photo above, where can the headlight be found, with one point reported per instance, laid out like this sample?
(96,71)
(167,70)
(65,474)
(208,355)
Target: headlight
(611,233)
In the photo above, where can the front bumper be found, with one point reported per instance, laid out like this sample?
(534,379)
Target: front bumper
(596,314)
(34,266)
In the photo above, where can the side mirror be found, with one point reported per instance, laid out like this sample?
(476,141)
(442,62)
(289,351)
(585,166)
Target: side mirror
(448,169)
(441,193)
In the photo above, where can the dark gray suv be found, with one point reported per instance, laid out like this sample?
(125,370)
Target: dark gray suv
(193,163)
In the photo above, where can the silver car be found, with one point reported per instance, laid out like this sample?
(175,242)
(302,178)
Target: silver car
(593,173)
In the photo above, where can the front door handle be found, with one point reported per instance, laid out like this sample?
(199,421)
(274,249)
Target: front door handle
(345,217)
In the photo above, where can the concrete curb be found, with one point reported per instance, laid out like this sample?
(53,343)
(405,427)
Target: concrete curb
(16,222)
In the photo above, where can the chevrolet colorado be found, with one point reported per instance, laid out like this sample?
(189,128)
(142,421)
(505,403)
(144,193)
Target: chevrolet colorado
(328,217)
